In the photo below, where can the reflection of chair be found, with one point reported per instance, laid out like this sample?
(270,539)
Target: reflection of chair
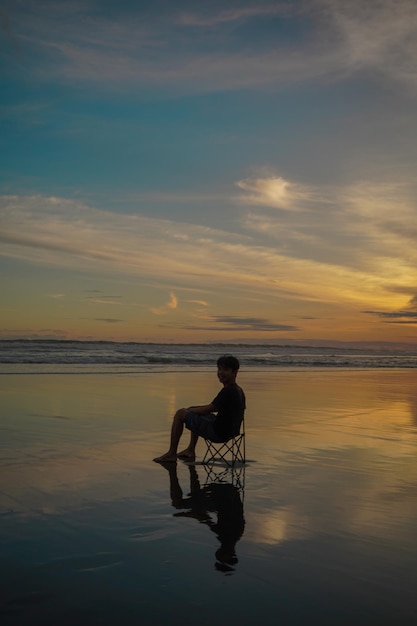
(229,452)
(226,475)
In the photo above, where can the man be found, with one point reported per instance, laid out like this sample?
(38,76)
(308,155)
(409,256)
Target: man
(229,406)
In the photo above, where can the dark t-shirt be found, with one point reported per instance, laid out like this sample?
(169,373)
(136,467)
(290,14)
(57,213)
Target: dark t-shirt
(230,405)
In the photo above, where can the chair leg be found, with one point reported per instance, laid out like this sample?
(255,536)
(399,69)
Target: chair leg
(235,449)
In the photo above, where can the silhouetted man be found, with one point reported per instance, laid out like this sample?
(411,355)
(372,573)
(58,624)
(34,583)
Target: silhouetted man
(218,421)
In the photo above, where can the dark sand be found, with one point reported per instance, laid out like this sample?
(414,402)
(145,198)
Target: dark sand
(324,531)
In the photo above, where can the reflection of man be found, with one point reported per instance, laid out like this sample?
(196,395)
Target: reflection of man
(221,498)
(229,406)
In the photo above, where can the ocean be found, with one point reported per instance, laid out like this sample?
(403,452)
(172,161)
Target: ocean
(54,356)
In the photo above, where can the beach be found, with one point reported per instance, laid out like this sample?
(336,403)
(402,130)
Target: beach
(322,529)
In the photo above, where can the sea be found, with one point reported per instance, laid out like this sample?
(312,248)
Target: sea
(64,356)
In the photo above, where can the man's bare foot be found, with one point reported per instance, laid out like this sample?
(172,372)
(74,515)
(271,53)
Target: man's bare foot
(186,455)
(166,458)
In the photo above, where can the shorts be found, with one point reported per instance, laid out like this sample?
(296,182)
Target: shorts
(202,425)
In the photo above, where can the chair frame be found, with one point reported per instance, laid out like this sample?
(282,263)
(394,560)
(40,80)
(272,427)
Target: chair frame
(235,448)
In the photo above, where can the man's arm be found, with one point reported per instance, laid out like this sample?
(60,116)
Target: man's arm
(202,410)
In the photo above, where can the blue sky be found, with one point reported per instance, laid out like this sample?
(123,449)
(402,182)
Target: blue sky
(191,171)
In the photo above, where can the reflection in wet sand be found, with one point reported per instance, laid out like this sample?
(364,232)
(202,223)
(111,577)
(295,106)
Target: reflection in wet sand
(221,498)
(330,509)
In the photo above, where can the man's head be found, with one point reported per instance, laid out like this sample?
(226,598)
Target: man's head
(227,368)
(228,362)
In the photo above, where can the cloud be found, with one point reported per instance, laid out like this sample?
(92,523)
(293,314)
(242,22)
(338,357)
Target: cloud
(199,302)
(32,333)
(103,299)
(160,47)
(407,315)
(401,315)
(108,320)
(413,303)
(325,257)
(378,35)
(233,15)
(367,225)
(249,323)
(171,304)
(275,192)
(173,301)
(231,323)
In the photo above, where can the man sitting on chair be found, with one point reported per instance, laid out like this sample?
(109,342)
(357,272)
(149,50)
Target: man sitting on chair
(229,406)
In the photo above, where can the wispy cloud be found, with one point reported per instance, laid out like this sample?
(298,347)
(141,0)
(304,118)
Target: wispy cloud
(347,253)
(407,315)
(108,320)
(173,301)
(102,298)
(367,226)
(202,303)
(172,304)
(33,333)
(228,323)
(104,301)
(225,322)
(211,17)
(378,35)
(66,41)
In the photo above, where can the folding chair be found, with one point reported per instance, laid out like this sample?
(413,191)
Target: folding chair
(229,452)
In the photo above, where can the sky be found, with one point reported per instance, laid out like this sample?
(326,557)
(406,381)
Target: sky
(192,171)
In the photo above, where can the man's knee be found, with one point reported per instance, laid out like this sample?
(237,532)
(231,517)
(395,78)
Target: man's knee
(180,415)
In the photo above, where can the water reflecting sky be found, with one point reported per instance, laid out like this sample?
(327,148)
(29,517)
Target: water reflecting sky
(321,529)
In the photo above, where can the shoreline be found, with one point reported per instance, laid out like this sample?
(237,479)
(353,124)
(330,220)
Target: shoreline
(135,370)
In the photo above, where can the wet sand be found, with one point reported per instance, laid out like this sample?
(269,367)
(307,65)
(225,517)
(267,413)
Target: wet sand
(319,529)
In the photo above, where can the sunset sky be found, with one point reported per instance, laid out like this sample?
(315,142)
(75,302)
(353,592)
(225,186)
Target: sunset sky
(209,171)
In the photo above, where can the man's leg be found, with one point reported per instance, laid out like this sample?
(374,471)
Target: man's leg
(189,453)
(176,432)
